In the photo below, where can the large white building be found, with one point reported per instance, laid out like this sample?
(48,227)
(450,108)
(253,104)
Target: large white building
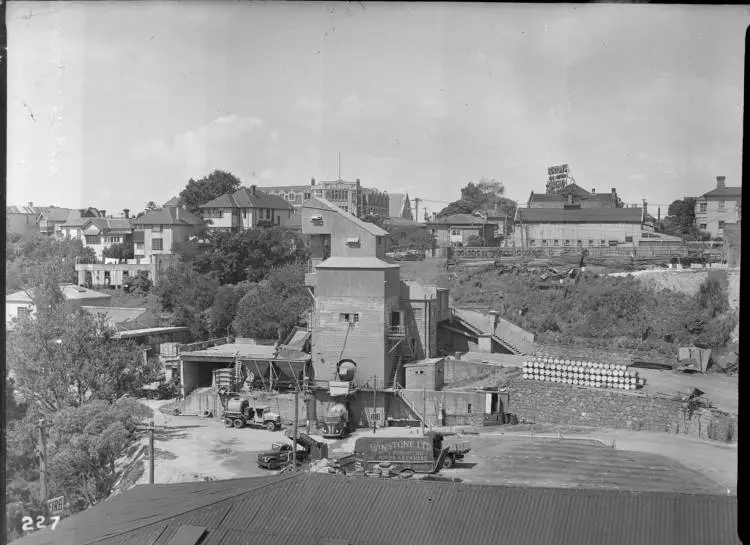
(718,207)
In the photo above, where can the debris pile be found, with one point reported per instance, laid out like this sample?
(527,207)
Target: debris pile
(581,373)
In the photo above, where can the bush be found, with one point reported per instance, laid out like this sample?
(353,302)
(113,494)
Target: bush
(712,294)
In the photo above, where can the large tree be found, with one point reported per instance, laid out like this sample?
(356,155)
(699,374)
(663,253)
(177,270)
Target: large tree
(123,250)
(198,192)
(272,309)
(188,296)
(487,196)
(251,254)
(63,356)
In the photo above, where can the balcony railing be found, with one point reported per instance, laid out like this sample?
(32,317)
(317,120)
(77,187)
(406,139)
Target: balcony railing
(397,331)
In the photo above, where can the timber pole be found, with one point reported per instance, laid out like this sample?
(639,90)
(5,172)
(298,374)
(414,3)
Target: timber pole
(374,401)
(42,462)
(294,429)
(151,453)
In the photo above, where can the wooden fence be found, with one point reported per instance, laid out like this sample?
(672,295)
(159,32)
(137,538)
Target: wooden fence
(492,253)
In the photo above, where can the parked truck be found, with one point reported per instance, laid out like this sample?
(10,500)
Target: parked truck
(336,424)
(280,455)
(428,454)
(238,413)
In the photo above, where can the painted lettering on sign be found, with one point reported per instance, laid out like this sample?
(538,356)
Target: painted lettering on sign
(396,450)
(557,169)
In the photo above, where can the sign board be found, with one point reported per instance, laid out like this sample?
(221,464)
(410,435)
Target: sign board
(338,388)
(558,170)
(394,449)
(376,415)
(56,506)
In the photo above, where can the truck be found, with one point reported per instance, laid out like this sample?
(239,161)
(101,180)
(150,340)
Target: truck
(427,454)
(238,413)
(280,455)
(336,424)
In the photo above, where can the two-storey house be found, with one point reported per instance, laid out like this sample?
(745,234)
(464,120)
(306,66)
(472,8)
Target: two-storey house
(73,226)
(246,208)
(720,206)
(458,229)
(101,233)
(50,220)
(158,231)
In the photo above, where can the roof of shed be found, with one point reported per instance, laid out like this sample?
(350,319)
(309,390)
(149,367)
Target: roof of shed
(458,219)
(324,204)
(231,350)
(69,291)
(580,215)
(245,198)
(394,511)
(356,263)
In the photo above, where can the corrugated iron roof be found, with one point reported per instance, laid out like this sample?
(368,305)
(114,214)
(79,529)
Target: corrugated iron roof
(310,508)
(116,315)
(458,219)
(724,193)
(109,225)
(246,198)
(69,291)
(356,263)
(56,214)
(241,350)
(580,215)
(324,204)
(168,216)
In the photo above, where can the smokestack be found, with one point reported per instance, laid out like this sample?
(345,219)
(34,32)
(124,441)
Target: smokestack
(643,212)
(252,189)
(721,182)
(312,181)
(614,191)
(126,213)
(358,184)
(593,190)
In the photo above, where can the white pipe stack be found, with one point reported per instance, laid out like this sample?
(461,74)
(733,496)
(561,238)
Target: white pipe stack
(581,373)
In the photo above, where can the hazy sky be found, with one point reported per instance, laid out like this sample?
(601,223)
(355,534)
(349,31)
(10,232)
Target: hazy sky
(115,104)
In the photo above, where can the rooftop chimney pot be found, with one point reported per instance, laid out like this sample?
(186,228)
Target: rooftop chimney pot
(126,213)
(721,182)
(252,189)
(312,181)
(31,203)
(593,190)
(614,191)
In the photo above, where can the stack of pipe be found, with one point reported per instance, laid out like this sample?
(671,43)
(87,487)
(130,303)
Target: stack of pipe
(581,373)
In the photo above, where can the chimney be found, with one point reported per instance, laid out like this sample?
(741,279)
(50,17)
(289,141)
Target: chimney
(643,212)
(721,182)
(492,321)
(593,190)
(126,213)
(358,184)
(252,189)
(177,211)
(312,181)
(614,191)
(570,198)
(31,203)
(102,213)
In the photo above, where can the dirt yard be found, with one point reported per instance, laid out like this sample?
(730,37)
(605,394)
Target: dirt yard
(195,449)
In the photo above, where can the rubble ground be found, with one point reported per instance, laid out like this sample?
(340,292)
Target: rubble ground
(193,449)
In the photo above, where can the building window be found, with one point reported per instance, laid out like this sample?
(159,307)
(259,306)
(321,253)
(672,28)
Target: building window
(532,242)
(579,242)
(556,242)
(244,213)
(702,206)
(567,243)
(544,242)
(112,240)
(722,205)
(139,245)
(721,225)
(156,228)
(355,317)
(591,242)
(268,213)
(348,317)
(602,242)
(703,226)
(628,239)
(24,311)
(157,244)
(613,243)
(469,409)
(307,196)
(455,232)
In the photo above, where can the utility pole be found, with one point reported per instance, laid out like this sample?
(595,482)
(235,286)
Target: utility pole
(424,407)
(417,200)
(294,429)
(42,462)
(151,453)
(374,393)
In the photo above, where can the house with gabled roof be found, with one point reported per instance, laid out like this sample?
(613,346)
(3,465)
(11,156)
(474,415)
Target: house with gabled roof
(246,208)
(50,220)
(574,195)
(158,231)
(457,229)
(73,226)
(720,206)
(101,233)
(23,219)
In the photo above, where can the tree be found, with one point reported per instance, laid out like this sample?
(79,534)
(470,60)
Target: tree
(138,283)
(63,356)
(123,250)
(273,309)
(251,254)
(151,205)
(224,307)
(83,445)
(216,184)
(188,295)
(381,221)
(712,293)
(487,195)
(682,214)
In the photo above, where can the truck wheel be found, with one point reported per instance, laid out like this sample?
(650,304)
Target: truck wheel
(270,426)
(238,423)
(448,462)
(228,422)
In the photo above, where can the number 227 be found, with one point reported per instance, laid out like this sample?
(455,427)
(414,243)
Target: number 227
(28,523)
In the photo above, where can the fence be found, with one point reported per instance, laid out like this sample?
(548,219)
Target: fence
(480,253)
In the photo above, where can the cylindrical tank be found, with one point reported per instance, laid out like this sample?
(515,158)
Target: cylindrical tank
(338,411)
(235,405)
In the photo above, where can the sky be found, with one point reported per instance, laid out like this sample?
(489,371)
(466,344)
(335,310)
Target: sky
(116,104)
